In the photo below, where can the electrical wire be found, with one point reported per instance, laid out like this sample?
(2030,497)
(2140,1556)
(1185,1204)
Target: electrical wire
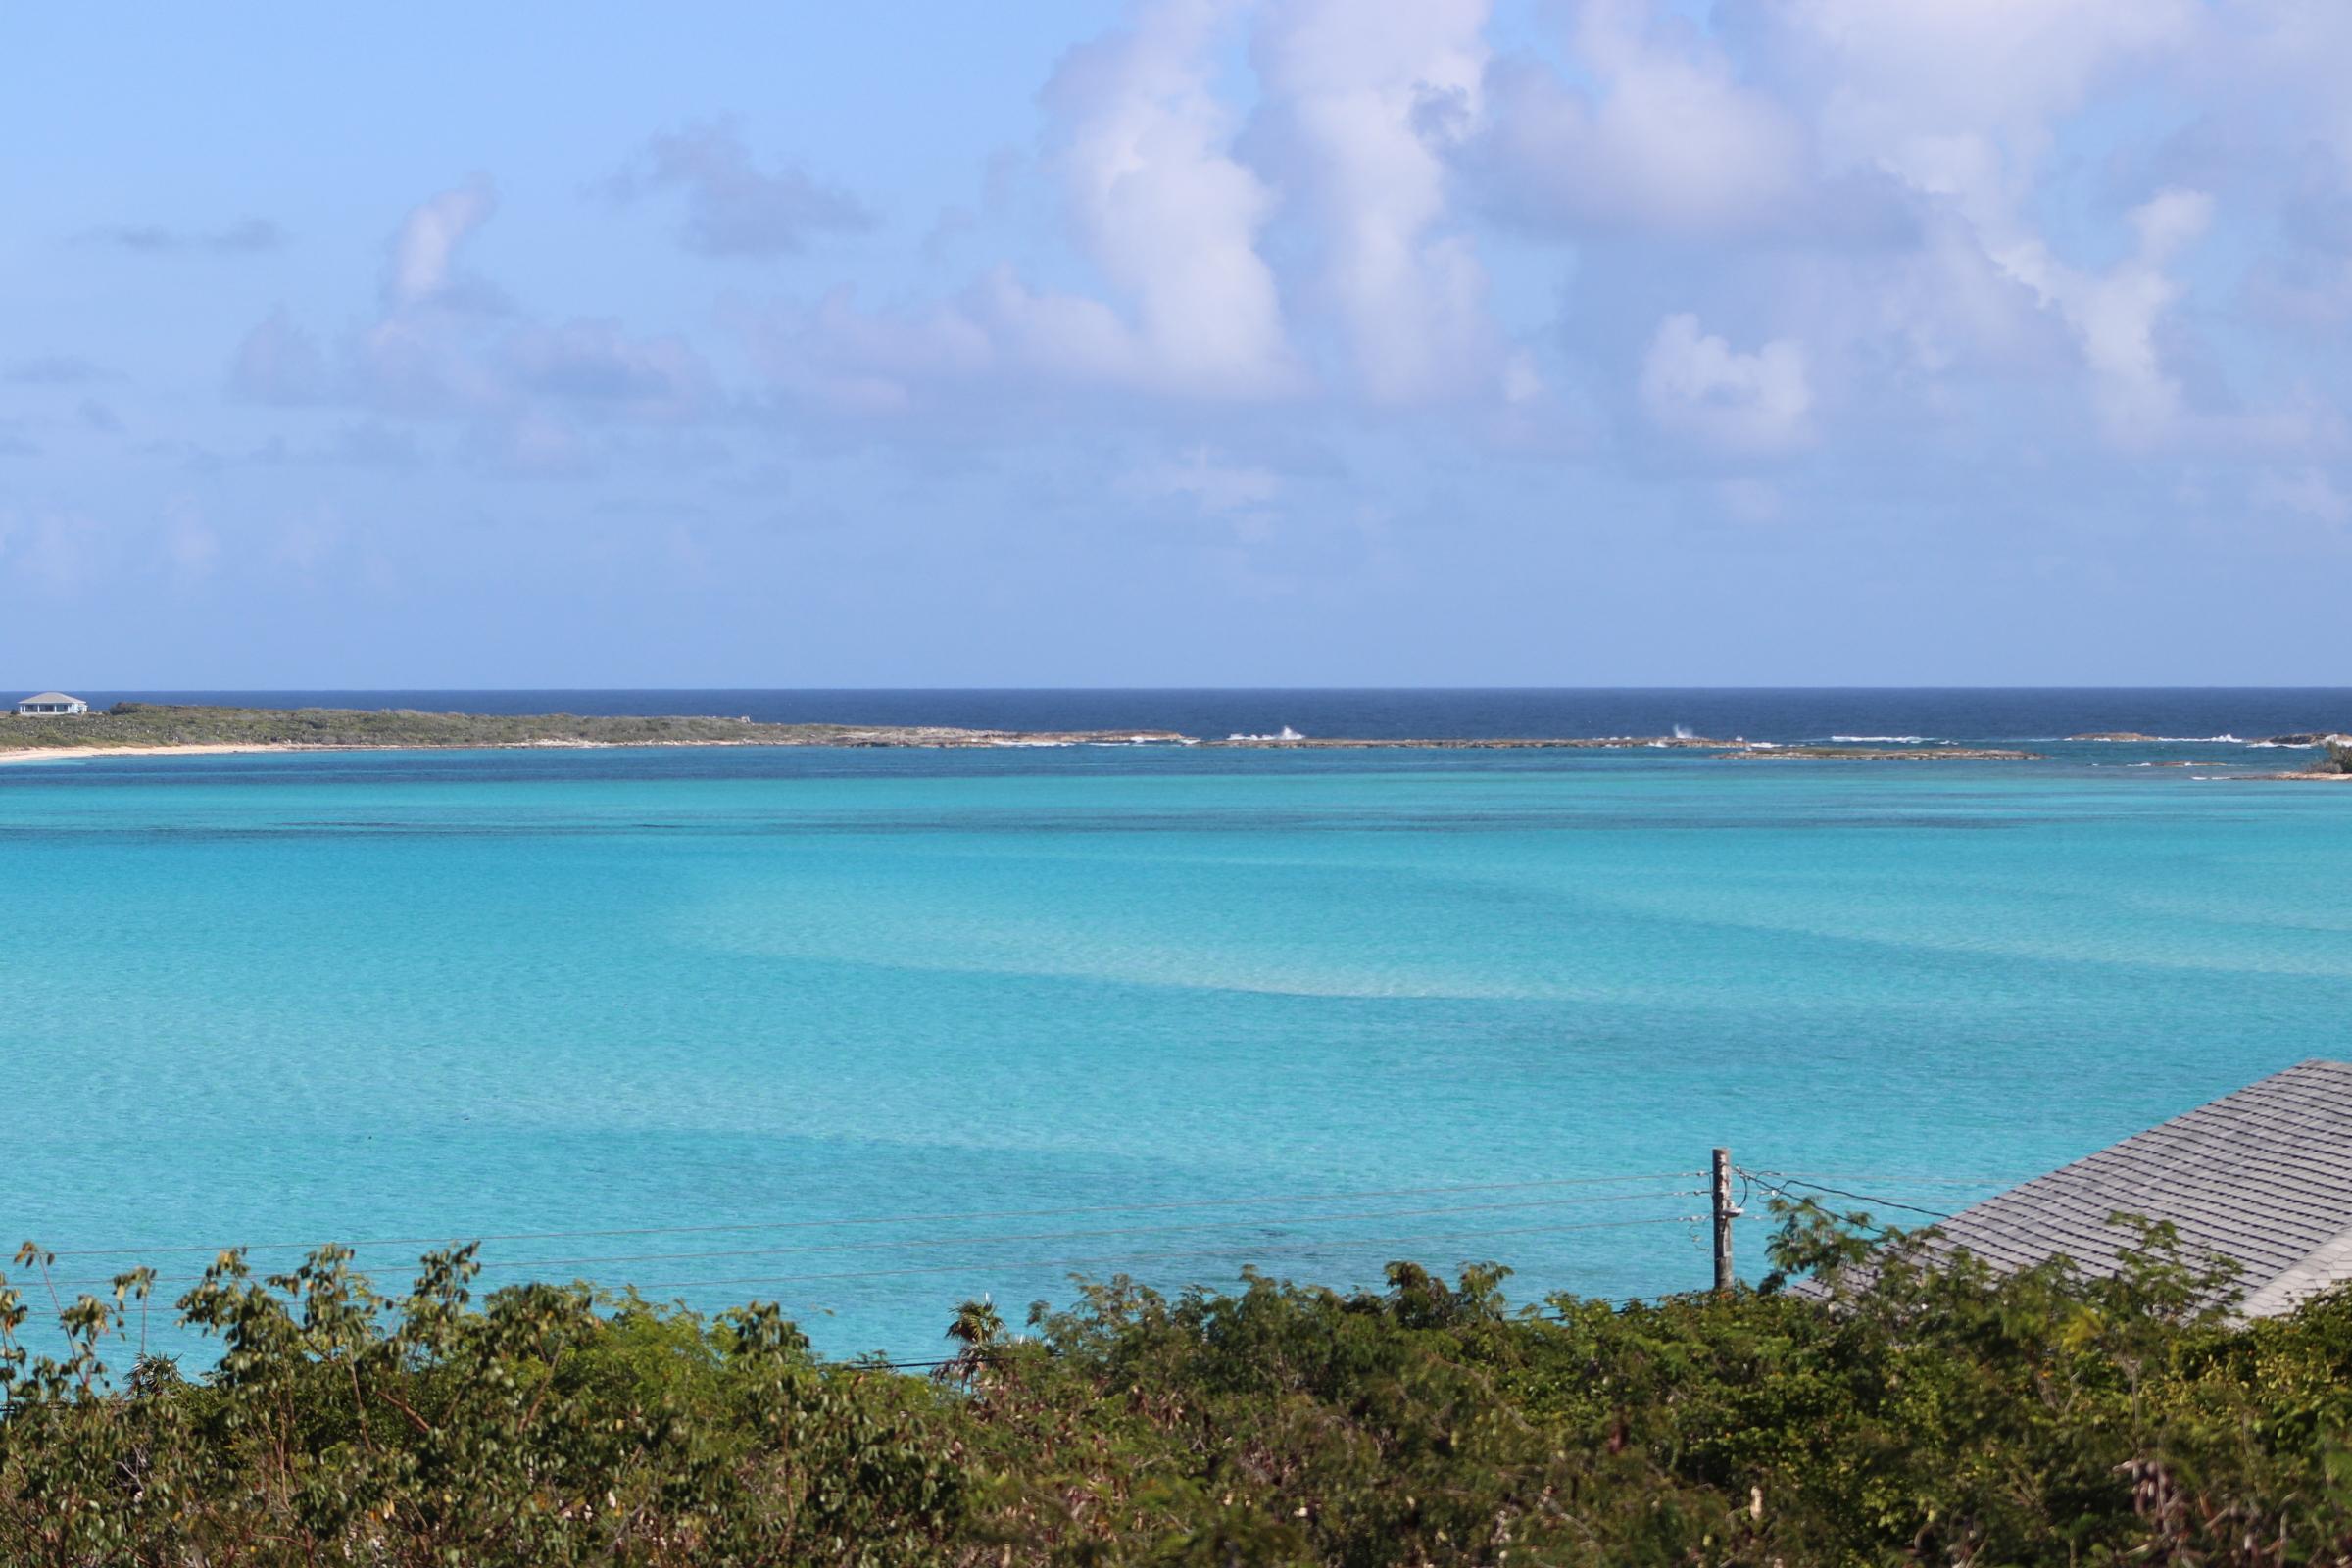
(451,1237)
(1089,1235)
(1895,1179)
(1758,1177)
(1152,1258)
(976,1265)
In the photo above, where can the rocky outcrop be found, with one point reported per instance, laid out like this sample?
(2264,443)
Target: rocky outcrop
(1888,754)
(1494,743)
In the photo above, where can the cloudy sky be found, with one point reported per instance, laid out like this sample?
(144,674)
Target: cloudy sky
(1201,342)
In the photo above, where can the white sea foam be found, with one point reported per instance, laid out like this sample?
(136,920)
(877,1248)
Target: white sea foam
(1683,732)
(2181,740)
(1886,740)
(1288,734)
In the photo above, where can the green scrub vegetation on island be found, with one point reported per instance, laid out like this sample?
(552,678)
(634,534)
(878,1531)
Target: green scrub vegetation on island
(1919,1412)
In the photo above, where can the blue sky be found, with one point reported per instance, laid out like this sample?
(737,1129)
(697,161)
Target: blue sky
(1186,342)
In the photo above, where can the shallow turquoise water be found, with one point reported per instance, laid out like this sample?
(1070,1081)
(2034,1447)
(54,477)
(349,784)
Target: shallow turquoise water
(286,998)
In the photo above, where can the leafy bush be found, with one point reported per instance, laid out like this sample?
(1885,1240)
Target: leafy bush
(1914,1408)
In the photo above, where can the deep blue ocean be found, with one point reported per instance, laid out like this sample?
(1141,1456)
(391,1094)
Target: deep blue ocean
(867,1032)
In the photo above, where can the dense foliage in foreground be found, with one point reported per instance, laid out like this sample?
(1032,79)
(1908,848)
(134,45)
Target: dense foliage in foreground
(1935,1414)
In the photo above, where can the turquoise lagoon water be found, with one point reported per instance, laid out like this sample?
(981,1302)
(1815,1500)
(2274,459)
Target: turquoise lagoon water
(923,1025)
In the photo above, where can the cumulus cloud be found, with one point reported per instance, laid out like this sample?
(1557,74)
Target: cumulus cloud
(1955,96)
(733,206)
(1665,139)
(1961,103)
(1328,208)
(1364,93)
(2116,314)
(1141,145)
(277,361)
(1796,127)
(2306,492)
(2305,283)
(1699,387)
(595,363)
(1219,488)
(434,352)
(420,268)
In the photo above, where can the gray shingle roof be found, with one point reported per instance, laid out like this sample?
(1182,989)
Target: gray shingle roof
(2263,1176)
(48,697)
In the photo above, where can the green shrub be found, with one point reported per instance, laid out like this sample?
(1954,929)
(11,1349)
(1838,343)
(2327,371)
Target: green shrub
(1920,1409)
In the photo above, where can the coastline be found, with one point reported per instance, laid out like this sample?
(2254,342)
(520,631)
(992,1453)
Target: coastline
(965,740)
(133,729)
(43,753)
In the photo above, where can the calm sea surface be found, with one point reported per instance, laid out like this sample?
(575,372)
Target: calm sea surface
(867,1032)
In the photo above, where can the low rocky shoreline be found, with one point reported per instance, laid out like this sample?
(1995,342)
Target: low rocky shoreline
(167,730)
(2318,737)
(1889,753)
(82,746)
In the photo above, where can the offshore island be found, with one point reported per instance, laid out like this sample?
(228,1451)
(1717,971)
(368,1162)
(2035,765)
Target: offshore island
(133,729)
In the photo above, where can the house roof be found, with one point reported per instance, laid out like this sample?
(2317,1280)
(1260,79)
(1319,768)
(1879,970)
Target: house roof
(47,697)
(2263,1176)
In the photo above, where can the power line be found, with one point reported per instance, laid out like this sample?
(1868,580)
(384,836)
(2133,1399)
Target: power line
(1758,1178)
(1901,1180)
(978,1265)
(895,1219)
(919,1243)
(1153,1257)
(1088,1235)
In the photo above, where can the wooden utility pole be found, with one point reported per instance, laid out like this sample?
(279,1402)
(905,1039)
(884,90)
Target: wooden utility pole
(1725,1213)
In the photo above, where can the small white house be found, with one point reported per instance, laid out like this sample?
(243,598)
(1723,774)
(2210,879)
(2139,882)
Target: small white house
(52,702)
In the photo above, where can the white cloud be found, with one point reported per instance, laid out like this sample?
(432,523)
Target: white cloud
(2115,314)
(1958,96)
(1217,488)
(1166,212)
(2306,492)
(1667,139)
(1360,87)
(1699,387)
(432,353)
(1142,147)
(429,239)
(733,206)
(277,361)
(597,366)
